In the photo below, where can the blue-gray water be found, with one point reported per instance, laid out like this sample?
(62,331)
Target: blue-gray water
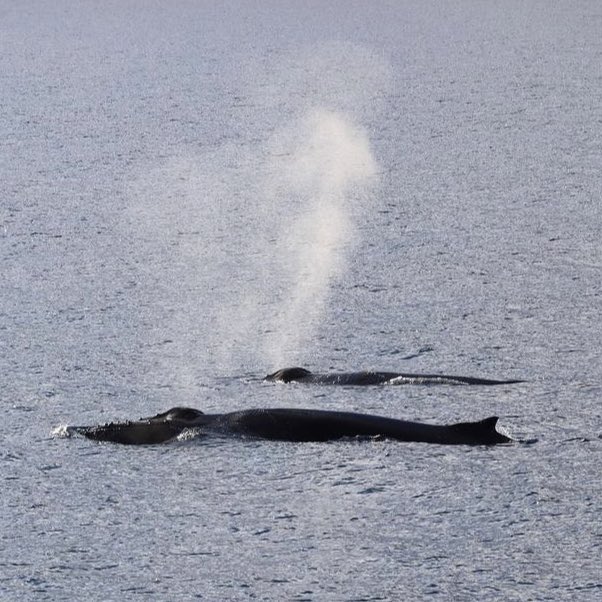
(193,194)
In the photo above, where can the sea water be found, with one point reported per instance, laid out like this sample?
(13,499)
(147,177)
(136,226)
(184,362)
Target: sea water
(194,194)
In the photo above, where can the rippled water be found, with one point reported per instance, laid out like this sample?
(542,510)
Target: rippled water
(194,194)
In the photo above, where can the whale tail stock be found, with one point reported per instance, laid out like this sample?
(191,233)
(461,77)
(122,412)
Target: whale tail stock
(482,432)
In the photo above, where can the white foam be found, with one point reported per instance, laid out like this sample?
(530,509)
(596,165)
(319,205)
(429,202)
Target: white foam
(61,431)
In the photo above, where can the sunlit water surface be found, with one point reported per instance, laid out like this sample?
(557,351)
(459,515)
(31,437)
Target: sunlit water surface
(194,194)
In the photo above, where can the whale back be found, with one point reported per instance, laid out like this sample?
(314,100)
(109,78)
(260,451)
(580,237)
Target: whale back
(291,424)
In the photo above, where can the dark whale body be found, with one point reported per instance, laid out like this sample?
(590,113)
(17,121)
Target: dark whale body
(283,424)
(301,375)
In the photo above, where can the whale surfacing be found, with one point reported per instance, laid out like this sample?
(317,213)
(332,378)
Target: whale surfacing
(301,375)
(290,424)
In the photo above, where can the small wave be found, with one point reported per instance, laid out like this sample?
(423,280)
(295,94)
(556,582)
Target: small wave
(188,434)
(423,380)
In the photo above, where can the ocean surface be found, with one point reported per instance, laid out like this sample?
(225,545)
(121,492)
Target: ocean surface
(194,194)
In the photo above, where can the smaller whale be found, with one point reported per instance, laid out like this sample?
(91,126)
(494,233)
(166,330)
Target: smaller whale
(289,424)
(301,375)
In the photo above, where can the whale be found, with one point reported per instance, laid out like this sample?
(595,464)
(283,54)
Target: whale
(301,375)
(289,424)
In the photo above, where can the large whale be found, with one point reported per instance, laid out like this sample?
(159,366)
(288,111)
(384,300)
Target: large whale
(301,375)
(284,424)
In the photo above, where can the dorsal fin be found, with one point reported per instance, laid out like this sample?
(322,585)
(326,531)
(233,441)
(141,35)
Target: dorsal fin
(482,431)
